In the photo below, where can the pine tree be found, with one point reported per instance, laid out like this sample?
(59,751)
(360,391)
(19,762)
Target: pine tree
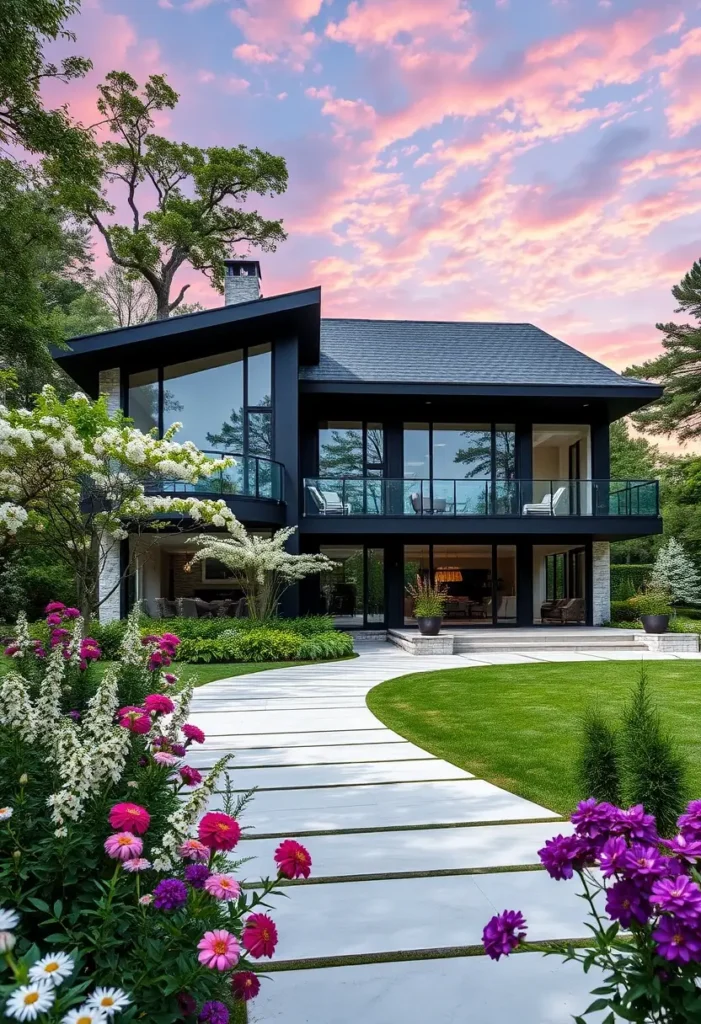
(675,572)
(599,769)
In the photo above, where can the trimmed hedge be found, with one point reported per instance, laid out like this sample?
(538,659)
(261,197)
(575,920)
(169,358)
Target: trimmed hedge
(265,644)
(622,611)
(627,580)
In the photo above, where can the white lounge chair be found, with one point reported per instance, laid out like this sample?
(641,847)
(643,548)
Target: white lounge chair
(328,502)
(548,506)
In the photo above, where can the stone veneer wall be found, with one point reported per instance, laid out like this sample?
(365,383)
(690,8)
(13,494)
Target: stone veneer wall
(243,288)
(601,574)
(111,570)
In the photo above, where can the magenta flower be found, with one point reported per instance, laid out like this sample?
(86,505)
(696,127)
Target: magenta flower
(679,896)
(690,823)
(171,639)
(158,704)
(259,936)
(612,855)
(564,855)
(593,819)
(170,894)
(686,849)
(54,619)
(222,887)
(642,862)
(136,721)
(636,825)
(178,749)
(11,650)
(245,985)
(626,903)
(193,849)
(54,606)
(130,816)
(190,776)
(170,678)
(293,860)
(71,613)
(219,950)
(676,941)
(123,846)
(196,875)
(193,733)
(504,933)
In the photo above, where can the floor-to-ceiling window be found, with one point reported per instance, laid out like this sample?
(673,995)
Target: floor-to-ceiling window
(354,591)
(479,581)
(351,465)
(562,468)
(559,584)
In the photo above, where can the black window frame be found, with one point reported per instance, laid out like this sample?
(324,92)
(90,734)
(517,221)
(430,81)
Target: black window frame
(368,467)
(493,478)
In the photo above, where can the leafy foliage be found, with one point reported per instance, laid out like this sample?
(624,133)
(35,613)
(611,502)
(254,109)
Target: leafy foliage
(628,579)
(266,644)
(598,770)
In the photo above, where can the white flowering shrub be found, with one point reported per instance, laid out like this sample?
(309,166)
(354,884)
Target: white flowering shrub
(74,477)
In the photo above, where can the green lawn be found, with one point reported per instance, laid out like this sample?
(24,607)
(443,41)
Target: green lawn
(518,726)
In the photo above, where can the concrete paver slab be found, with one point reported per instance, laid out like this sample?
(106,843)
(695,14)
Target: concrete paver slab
(345,774)
(352,753)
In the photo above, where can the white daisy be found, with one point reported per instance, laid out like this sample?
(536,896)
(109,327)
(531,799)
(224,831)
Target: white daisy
(5,813)
(27,1002)
(55,968)
(84,1015)
(108,1000)
(9,919)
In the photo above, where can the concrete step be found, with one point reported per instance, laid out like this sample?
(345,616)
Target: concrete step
(525,648)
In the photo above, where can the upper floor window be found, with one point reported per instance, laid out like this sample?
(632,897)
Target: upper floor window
(459,451)
(223,402)
(351,448)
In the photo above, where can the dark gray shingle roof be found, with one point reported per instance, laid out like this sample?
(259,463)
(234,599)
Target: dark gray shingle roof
(417,351)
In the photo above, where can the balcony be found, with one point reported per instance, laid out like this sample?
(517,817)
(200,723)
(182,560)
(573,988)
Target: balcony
(523,499)
(252,476)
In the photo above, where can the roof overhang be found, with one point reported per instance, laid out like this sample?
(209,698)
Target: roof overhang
(208,332)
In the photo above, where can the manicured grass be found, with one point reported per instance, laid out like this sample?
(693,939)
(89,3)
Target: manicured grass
(519,726)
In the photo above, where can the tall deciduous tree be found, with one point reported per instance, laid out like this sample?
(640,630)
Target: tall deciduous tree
(186,203)
(678,368)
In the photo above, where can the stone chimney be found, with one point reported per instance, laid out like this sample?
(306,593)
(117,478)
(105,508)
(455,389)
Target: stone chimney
(242,281)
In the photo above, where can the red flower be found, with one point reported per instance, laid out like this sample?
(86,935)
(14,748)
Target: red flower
(218,831)
(193,732)
(129,818)
(159,704)
(135,720)
(190,776)
(245,986)
(293,859)
(259,936)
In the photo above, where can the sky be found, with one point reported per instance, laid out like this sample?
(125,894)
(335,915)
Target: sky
(514,160)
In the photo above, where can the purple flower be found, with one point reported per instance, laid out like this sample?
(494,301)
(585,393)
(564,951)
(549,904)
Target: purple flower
(71,613)
(643,862)
(564,855)
(75,715)
(197,875)
(676,941)
(178,749)
(54,619)
(625,903)
(612,854)
(685,848)
(635,824)
(214,1013)
(504,933)
(170,894)
(679,896)
(690,823)
(593,819)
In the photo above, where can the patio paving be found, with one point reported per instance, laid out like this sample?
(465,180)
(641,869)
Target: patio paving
(367,803)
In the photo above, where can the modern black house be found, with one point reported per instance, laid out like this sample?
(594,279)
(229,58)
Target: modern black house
(476,454)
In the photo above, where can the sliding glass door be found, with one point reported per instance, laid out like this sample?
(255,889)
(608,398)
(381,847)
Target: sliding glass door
(353,593)
(479,580)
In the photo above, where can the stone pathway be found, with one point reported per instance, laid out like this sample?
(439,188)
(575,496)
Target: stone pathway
(411,854)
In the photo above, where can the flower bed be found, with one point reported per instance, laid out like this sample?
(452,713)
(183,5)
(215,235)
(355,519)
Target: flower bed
(119,891)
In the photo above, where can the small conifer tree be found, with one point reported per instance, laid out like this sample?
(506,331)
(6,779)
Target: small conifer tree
(675,572)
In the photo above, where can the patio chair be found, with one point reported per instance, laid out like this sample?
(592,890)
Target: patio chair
(548,506)
(187,607)
(328,502)
(426,506)
(507,608)
(166,609)
(152,608)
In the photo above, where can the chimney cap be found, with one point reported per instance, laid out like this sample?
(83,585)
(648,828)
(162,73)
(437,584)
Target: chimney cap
(243,268)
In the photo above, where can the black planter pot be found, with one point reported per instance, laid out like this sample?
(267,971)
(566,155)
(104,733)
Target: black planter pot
(655,623)
(430,627)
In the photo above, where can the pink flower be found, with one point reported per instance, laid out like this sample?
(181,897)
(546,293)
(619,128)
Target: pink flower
(136,721)
(137,864)
(219,950)
(245,985)
(171,639)
(219,831)
(193,849)
(193,733)
(155,661)
(293,859)
(158,704)
(123,846)
(11,650)
(163,757)
(146,900)
(170,678)
(130,816)
(190,776)
(54,606)
(259,936)
(71,613)
(54,619)
(223,887)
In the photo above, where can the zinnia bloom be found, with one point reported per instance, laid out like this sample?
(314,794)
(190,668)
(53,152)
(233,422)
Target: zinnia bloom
(196,875)
(54,968)
(219,950)
(193,849)
(108,1000)
(163,757)
(170,894)
(245,985)
(178,749)
(123,846)
(564,855)
(136,720)
(136,865)
(131,817)
(28,1001)
(259,936)
(676,941)
(504,933)
(219,831)
(626,903)
(679,896)
(223,887)
(293,859)
(6,813)
(71,613)
(193,733)
(190,776)
(213,1013)
(158,704)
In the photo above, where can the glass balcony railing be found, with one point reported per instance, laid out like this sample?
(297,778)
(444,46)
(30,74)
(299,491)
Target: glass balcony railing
(382,496)
(251,476)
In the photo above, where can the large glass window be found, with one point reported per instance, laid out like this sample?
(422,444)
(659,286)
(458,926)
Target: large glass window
(354,591)
(479,581)
(143,400)
(559,584)
(350,448)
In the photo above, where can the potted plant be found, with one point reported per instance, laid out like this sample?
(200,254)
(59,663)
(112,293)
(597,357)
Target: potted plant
(654,609)
(429,600)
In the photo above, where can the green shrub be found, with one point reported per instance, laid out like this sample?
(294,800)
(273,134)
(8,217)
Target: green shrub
(598,770)
(681,624)
(627,580)
(624,611)
(654,770)
(205,650)
(689,613)
(325,645)
(653,602)
(264,644)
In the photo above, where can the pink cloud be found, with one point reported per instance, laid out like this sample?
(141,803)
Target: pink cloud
(681,69)
(370,24)
(277,28)
(253,54)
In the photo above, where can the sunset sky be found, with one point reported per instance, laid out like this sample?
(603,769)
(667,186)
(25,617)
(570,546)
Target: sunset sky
(532,160)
